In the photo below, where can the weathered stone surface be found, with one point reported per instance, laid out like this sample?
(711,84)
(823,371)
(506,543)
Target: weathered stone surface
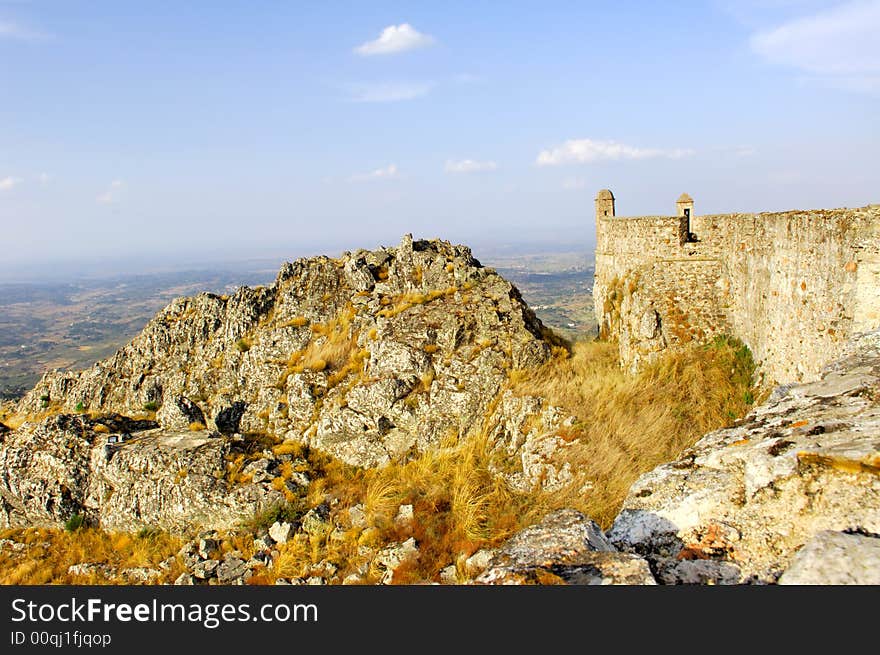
(836,558)
(794,286)
(753,494)
(205,569)
(565,548)
(449,575)
(233,570)
(280,532)
(52,470)
(370,357)
(179,413)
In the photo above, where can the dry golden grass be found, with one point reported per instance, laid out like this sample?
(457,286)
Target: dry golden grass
(296,321)
(52,551)
(628,424)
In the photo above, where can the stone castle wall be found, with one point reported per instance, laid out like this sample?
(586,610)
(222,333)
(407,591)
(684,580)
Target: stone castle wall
(792,285)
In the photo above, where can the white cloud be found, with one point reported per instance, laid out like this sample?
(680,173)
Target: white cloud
(113,194)
(469,166)
(585,151)
(10,30)
(839,46)
(574,183)
(395,38)
(390,92)
(379,174)
(8,183)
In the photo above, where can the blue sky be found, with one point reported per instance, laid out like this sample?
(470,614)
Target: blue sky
(188,129)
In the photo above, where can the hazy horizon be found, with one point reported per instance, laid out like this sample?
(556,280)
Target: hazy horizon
(167,135)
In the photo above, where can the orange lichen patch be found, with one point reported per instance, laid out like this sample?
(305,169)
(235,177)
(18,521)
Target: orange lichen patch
(741,442)
(799,424)
(711,544)
(851,267)
(870,464)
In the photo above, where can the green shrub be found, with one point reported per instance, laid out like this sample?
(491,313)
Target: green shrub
(242,345)
(74,523)
(80,407)
(289,512)
(151,406)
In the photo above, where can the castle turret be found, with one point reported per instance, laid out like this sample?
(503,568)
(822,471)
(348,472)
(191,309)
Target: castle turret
(684,209)
(604,204)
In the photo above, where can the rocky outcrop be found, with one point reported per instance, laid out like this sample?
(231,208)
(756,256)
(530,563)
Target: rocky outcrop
(155,478)
(565,548)
(368,357)
(741,504)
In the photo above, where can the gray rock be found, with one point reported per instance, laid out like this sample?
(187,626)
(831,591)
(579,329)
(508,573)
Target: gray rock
(441,330)
(671,571)
(206,569)
(208,548)
(479,561)
(280,532)
(752,495)
(404,515)
(139,575)
(836,558)
(357,516)
(178,413)
(91,568)
(184,579)
(565,548)
(233,570)
(449,574)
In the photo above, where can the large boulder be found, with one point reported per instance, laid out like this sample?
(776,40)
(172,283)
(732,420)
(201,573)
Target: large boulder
(747,498)
(564,548)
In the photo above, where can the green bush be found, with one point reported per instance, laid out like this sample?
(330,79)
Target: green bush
(74,523)
(289,512)
(80,407)
(242,345)
(151,406)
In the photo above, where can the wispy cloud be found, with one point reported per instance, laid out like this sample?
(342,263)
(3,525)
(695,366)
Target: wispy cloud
(394,39)
(585,151)
(12,30)
(9,182)
(838,46)
(378,174)
(469,166)
(113,194)
(389,91)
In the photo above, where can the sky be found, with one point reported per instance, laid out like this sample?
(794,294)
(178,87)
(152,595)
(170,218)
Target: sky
(133,132)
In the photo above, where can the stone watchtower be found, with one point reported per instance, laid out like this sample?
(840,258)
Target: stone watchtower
(684,209)
(604,204)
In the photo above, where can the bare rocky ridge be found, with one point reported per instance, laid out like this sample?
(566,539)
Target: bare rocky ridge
(367,356)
